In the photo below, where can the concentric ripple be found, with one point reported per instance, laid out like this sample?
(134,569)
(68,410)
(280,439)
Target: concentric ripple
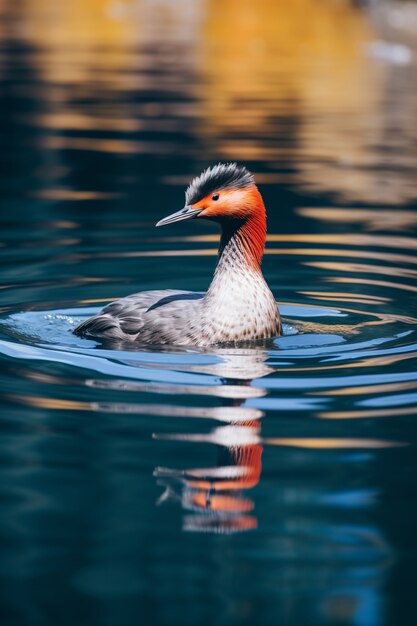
(344,357)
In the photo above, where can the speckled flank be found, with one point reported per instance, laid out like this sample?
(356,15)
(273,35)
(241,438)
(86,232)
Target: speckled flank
(238,305)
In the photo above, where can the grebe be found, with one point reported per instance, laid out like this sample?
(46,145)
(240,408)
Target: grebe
(238,306)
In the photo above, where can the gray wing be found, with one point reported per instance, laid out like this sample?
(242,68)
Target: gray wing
(125,318)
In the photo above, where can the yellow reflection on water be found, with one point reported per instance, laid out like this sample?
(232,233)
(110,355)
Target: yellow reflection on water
(358,254)
(398,220)
(301,252)
(344,297)
(235,414)
(369,413)
(304,66)
(51,403)
(333,444)
(72,194)
(351,239)
(264,66)
(290,84)
(72,36)
(368,281)
(362,268)
(367,389)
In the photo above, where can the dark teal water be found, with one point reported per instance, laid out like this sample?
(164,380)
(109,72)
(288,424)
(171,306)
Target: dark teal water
(257,486)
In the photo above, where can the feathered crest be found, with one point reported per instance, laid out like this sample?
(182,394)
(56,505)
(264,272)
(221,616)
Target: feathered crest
(220,176)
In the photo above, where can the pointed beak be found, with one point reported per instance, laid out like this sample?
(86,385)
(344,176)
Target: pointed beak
(185,214)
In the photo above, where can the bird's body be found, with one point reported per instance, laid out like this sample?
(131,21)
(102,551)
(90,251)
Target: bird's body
(238,306)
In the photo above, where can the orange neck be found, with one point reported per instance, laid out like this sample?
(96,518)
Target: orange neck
(246,236)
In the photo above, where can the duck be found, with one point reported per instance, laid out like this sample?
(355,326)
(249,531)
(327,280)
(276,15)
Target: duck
(238,305)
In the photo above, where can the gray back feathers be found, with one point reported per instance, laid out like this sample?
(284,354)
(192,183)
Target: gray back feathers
(216,178)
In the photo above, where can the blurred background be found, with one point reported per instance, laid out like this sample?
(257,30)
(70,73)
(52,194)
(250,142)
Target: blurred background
(104,97)
(118,502)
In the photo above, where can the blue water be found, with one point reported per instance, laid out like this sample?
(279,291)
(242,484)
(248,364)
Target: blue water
(263,485)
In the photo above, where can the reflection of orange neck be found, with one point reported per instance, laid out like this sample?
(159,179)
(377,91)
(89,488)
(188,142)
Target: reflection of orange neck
(250,458)
(247,458)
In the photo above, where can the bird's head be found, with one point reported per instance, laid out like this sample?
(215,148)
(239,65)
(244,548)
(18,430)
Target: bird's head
(223,193)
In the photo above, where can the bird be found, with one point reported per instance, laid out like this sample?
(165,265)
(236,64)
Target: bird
(238,305)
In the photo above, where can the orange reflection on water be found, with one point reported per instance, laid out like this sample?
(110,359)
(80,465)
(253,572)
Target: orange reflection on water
(334,444)
(76,120)
(50,403)
(111,146)
(350,239)
(299,252)
(367,362)
(399,220)
(306,66)
(152,253)
(77,35)
(365,269)
(311,100)
(369,413)
(368,281)
(235,414)
(72,194)
(344,252)
(370,389)
(344,297)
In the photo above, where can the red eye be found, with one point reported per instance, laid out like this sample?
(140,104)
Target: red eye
(215,196)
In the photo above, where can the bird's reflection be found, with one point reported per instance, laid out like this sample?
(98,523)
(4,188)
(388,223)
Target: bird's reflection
(215,498)
(216,494)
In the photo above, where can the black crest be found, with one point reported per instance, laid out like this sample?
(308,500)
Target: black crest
(220,176)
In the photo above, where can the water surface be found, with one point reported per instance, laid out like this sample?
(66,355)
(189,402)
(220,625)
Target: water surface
(266,485)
